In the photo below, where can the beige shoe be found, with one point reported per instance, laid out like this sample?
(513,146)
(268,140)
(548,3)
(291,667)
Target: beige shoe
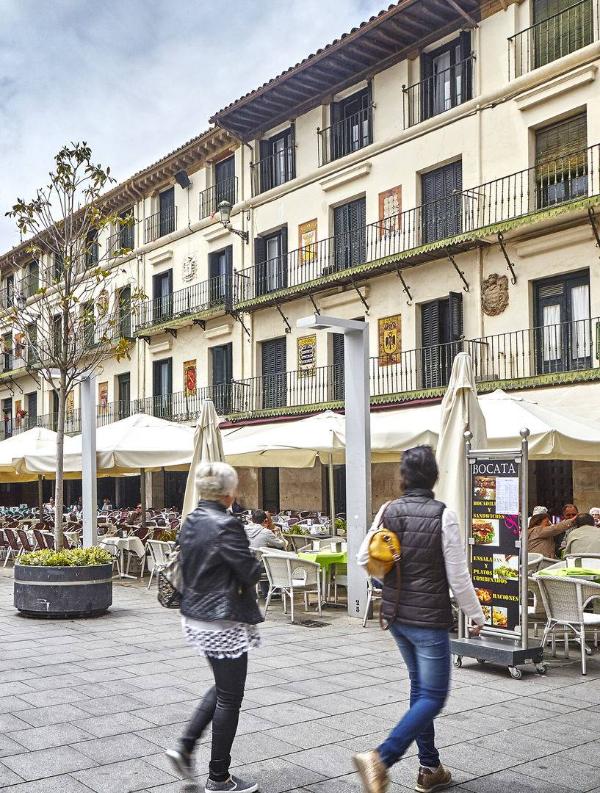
(372,771)
(433,780)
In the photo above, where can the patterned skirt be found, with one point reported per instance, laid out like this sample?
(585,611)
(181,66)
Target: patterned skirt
(218,640)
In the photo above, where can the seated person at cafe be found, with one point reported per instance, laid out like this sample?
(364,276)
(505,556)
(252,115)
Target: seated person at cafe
(584,537)
(260,535)
(542,533)
(106,505)
(595,513)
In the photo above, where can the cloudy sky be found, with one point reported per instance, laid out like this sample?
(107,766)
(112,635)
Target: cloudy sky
(136,78)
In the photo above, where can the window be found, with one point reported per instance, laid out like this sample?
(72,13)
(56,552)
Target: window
(271,263)
(441,334)
(446,77)
(9,294)
(351,127)
(57,344)
(92,248)
(563,335)
(89,324)
(58,266)
(124,326)
(220,266)
(225,182)
(126,230)
(7,352)
(349,221)
(166,204)
(31,400)
(162,296)
(561,161)
(441,210)
(123,395)
(31,280)
(276,165)
(162,387)
(7,417)
(270,494)
(32,351)
(274,373)
(338,358)
(560,27)
(221,377)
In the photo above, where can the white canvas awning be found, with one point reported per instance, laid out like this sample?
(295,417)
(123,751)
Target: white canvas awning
(36,441)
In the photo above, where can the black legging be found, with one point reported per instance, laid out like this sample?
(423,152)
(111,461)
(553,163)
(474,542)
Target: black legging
(221,705)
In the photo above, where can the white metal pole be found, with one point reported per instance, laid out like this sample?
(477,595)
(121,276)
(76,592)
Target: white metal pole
(331,493)
(523,544)
(143,494)
(358,459)
(89,495)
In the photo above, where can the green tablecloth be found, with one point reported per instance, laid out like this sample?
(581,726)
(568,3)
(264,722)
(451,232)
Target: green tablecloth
(326,558)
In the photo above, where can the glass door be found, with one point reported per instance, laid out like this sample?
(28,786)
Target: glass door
(563,336)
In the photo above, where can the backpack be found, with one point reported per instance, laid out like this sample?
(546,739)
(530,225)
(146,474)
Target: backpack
(385,554)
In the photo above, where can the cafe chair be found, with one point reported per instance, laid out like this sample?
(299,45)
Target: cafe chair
(287,574)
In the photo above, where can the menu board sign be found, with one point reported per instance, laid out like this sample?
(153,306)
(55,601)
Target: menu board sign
(494,533)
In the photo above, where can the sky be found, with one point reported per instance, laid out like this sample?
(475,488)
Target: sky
(137,78)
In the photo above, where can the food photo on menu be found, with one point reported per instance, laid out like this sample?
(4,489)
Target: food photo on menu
(500,617)
(485,487)
(485,598)
(505,566)
(486,531)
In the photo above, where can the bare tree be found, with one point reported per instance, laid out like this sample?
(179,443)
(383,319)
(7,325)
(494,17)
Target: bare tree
(63,323)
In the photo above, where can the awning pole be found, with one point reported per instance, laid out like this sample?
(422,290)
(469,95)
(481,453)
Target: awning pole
(331,494)
(143,494)
(40,489)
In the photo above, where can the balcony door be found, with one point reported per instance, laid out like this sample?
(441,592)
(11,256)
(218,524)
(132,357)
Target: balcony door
(441,191)
(276,160)
(162,296)
(441,334)
(563,336)
(446,76)
(271,259)
(31,401)
(349,222)
(338,358)
(560,27)
(561,161)
(162,387)
(225,181)
(274,373)
(221,377)
(166,205)
(124,395)
(7,417)
(350,124)
(124,329)
(220,266)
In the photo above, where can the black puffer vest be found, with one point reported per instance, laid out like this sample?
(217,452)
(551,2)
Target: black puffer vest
(424,594)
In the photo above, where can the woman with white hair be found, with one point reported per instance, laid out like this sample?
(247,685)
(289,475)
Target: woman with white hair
(219,615)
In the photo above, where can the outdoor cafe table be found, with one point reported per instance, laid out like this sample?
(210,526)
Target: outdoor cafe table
(122,544)
(327,559)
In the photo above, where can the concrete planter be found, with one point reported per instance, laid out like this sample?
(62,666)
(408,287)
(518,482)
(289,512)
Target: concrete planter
(63,592)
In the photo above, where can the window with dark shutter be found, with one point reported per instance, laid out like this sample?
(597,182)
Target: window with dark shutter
(446,77)
(221,377)
(561,161)
(560,27)
(441,335)
(349,222)
(338,359)
(166,201)
(220,267)
(276,165)
(271,262)
(274,373)
(350,128)
(442,202)
(162,386)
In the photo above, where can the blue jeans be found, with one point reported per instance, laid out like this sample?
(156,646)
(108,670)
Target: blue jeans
(426,653)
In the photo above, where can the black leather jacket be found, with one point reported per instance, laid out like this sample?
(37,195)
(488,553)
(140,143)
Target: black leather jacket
(219,570)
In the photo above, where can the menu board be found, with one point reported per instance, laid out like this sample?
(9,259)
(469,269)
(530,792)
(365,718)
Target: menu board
(495,531)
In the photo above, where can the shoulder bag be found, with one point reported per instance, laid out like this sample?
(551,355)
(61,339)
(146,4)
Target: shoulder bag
(385,554)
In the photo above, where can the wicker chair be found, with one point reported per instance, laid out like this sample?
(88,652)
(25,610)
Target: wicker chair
(287,574)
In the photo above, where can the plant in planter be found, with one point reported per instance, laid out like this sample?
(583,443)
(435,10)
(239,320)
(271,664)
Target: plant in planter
(64,584)
(340,527)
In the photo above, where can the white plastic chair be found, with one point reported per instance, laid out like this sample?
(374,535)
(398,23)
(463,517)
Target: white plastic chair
(591,560)
(159,553)
(565,600)
(373,593)
(288,574)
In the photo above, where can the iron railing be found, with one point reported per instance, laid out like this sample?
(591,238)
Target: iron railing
(192,300)
(7,297)
(122,241)
(438,93)
(345,136)
(30,285)
(552,38)
(159,224)
(226,190)
(540,187)
(273,170)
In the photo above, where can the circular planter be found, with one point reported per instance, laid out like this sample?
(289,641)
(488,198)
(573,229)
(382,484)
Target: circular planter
(63,592)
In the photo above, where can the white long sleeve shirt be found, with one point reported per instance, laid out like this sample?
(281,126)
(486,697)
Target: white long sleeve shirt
(455,562)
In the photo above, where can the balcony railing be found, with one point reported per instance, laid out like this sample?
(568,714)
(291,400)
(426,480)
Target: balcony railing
(345,136)
(11,362)
(185,302)
(159,224)
(438,93)
(525,192)
(7,297)
(30,284)
(552,38)
(273,170)
(122,241)
(227,190)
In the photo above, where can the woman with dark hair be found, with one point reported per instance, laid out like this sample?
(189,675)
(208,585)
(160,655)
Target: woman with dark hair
(542,532)
(419,617)
(584,537)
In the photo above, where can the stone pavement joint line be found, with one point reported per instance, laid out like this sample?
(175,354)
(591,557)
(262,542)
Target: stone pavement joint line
(90,705)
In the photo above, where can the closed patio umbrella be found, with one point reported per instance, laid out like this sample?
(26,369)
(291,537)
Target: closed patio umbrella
(208,448)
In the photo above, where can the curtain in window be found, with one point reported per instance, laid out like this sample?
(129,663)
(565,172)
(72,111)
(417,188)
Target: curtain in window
(580,315)
(552,333)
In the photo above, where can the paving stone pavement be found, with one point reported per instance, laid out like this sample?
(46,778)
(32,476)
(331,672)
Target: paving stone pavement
(90,705)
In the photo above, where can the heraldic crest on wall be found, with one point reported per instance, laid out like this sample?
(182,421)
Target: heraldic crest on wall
(189,268)
(494,295)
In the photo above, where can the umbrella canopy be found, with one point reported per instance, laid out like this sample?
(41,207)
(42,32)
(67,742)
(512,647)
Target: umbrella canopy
(208,448)
(13,450)
(290,444)
(460,411)
(127,446)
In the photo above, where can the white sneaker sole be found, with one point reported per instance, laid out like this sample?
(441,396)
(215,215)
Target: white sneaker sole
(177,764)
(236,789)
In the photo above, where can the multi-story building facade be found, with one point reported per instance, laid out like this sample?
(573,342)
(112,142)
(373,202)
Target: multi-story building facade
(435,172)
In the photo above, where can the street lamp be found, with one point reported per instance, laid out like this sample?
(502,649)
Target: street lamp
(358,443)
(224,208)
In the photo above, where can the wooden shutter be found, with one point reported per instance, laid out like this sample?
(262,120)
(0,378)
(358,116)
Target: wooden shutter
(283,259)
(467,67)
(430,339)
(291,157)
(273,371)
(338,365)
(565,138)
(260,266)
(266,166)
(455,316)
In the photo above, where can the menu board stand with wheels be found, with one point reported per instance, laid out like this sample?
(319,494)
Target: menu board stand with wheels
(496,544)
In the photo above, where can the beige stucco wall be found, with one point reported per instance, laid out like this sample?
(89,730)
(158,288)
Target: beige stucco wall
(586,485)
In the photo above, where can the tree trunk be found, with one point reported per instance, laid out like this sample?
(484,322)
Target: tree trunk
(60,464)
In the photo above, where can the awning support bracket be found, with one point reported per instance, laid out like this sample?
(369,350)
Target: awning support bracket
(288,327)
(509,264)
(239,319)
(461,274)
(315,306)
(172,332)
(594,224)
(145,338)
(361,296)
(405,287)
(200,322)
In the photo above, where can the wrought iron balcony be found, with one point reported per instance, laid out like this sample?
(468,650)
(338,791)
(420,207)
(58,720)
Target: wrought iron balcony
(206,296)
(160,224)
(274,170)
(438,93)
(345,136)
(552,38)
(7,297)
(122,241)
(424,230)
(227,190)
